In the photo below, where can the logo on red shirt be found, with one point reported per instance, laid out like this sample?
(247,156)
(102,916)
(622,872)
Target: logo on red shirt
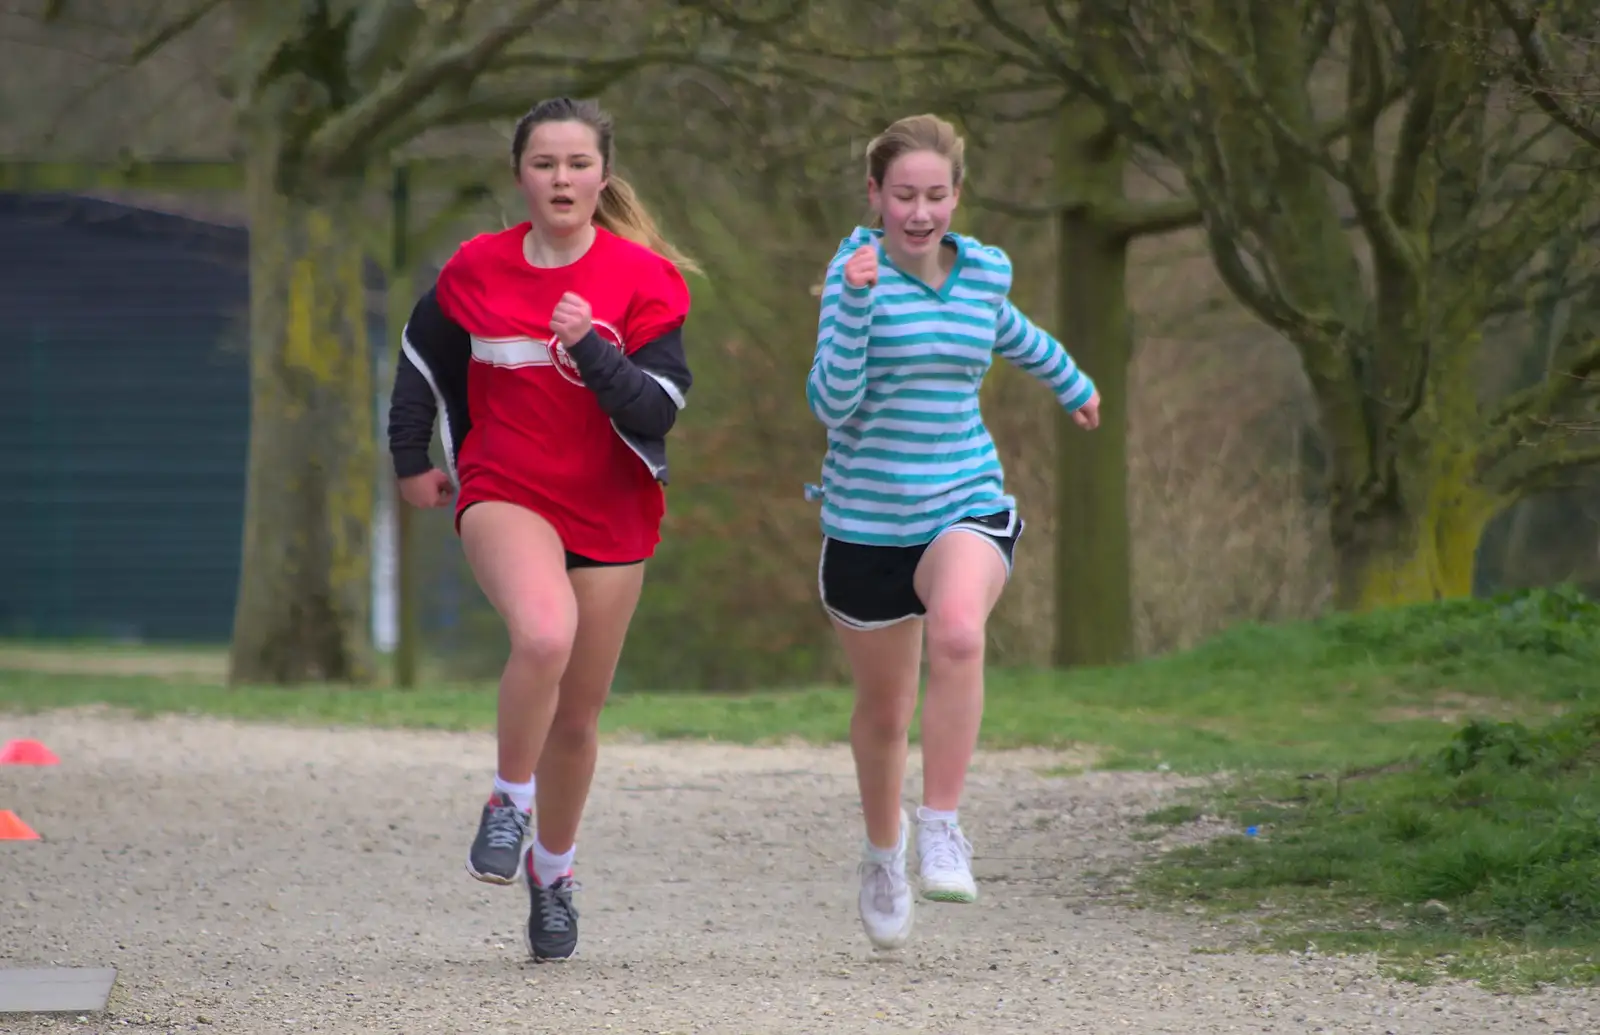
(562,361)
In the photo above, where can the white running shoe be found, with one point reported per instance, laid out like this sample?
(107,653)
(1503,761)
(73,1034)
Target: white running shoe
(944,856)
(887,905)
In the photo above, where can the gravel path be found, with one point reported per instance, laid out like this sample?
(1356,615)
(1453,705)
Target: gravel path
(251,879)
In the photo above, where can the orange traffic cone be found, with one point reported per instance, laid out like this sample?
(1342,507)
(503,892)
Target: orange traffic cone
(12,828)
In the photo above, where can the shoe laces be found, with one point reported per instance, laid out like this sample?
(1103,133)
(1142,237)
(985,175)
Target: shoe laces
(943,846)
(883,883)
(554,904)
(506,827)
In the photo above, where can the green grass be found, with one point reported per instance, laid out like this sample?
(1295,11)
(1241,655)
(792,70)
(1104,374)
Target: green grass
(1306,698)
(1424,780)
(1482,855)
(1474,852)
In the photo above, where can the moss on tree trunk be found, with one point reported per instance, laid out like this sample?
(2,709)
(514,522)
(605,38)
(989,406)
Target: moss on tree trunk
(1408,556)
(304,591)
(1093,566)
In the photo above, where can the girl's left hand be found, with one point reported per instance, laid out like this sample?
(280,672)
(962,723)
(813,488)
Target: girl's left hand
(1087,416)
(571,319)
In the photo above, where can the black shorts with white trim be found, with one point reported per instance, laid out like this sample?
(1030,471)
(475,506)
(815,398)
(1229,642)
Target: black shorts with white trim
(871,587)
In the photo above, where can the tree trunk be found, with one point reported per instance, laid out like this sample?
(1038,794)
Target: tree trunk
(305,587)
(1409,553)
(1093,574)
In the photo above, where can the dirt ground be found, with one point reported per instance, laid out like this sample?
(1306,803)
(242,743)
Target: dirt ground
(248,879)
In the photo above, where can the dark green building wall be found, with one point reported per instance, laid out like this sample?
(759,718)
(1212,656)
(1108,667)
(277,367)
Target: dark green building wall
(124,420)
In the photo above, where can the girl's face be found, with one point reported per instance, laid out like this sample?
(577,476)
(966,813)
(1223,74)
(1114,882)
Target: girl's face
(916,200)
(561,175)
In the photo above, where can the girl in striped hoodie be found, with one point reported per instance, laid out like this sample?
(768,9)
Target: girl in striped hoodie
(912,315)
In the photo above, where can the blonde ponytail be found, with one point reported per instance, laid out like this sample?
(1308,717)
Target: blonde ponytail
(621,212)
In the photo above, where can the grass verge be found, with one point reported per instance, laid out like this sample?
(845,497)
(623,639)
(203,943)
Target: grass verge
(1308,697)
(1423,780)
(1479,858)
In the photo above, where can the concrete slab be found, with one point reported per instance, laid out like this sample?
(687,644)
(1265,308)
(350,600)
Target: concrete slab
(56,989)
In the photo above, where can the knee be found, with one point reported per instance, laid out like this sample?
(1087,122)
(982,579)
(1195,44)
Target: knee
(885,716)
(577,721)
(543,641)
(955,636)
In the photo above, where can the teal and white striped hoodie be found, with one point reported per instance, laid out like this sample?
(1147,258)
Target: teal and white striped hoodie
(895,381)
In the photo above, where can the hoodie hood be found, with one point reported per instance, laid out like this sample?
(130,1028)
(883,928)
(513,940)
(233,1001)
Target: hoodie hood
(859,236)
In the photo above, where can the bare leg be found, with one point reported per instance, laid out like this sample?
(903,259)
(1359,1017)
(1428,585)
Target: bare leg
(606,599)
(959,580)
(886,664)
(520,564)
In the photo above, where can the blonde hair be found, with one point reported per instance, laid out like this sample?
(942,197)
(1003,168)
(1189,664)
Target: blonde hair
(915,133)
(620,211)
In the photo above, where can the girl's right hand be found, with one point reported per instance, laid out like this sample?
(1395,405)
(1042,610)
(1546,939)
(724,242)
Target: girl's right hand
(861,269)
(1087,416)
(431,488)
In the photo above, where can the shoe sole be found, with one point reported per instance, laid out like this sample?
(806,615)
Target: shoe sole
(491,878)
(949,895)
(495,879)
(528,944)
(900,941)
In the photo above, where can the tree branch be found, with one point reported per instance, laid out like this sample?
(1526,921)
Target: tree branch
(1322,19)
(381,35)
(1410,205)
(1548,287)
(1136,219)
(173,29)
(1533,72)
(25,176)
(1313,151)
(724,13)
(443,223)
(337,142)
(1118,109)
(594,76)
(1367,91)
(1021,210)
(1537,464)
(141,52)
(936,53)
(1259,290)
(1522,415)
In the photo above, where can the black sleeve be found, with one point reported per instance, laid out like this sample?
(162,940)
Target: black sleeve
(411,414)
(412,403)
(642,392)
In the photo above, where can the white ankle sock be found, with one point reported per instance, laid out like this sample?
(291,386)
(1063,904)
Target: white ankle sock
(885,855)
(521,794)
(927,815)
(547,867)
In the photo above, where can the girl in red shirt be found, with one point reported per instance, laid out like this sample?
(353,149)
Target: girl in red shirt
(552,355)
